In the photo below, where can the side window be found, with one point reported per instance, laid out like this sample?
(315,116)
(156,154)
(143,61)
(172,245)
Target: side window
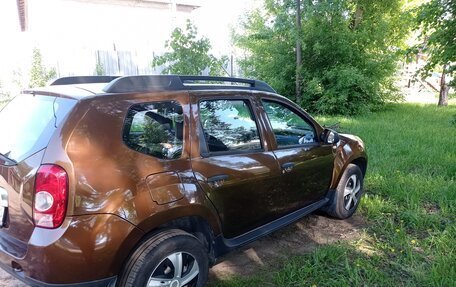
(155,129)
(229,125)
(289,128)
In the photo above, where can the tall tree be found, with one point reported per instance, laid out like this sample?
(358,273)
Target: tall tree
(349,51)
(39,73)
(298,50)
(267,37)
(189,55)
(437,21)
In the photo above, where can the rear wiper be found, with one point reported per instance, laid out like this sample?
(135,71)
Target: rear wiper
(7,160)
(55,116)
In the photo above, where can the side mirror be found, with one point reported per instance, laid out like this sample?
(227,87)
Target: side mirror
(330,137)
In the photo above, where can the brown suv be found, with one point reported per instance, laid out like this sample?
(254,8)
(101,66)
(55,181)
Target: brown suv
(146,180)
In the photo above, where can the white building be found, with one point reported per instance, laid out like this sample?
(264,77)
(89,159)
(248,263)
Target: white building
(121,34)
(73,34)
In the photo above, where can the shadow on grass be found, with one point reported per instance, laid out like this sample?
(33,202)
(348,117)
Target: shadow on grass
(274,250)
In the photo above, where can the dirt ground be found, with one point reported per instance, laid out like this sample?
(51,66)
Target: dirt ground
(7,280)
(298,238)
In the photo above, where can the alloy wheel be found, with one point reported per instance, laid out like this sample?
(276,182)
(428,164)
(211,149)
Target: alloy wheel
(352,192)
(179,269)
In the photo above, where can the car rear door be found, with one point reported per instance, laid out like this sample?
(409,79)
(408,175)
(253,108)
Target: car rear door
(306,162)
(232,163)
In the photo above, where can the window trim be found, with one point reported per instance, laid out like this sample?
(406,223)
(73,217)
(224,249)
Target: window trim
(126,127)
(298,113)
(204,148)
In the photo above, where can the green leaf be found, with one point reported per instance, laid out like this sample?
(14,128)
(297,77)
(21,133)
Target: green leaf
(189,55)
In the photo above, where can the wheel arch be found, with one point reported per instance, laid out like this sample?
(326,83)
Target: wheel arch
(195,225)
(198,221)
(361,162)
(341,165)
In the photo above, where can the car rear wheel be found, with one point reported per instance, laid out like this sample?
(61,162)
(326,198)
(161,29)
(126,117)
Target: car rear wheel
(171,258)
(347,196)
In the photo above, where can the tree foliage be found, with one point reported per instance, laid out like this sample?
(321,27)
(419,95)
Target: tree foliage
(99,69)
(154,133)
(189,55)
(349,51)
(4,96)
(39,74)
(437,22)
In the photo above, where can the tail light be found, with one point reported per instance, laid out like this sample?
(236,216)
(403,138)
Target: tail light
(51,196)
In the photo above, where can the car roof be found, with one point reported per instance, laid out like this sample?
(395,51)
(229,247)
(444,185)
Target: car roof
(86,86)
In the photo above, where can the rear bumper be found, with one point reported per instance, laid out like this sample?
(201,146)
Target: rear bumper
(85,251)
(108,282)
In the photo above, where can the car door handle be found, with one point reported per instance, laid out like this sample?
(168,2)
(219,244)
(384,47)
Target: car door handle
(217,180)
(287,167)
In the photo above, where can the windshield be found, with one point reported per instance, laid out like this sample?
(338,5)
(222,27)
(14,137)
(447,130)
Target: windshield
(28,122)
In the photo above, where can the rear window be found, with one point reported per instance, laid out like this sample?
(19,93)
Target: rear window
(155,129)
(28,122)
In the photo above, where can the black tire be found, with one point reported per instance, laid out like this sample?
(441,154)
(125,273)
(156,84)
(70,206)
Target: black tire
(152,257)
(338,203)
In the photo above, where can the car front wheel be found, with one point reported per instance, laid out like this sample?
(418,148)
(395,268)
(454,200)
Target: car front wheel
(347,196)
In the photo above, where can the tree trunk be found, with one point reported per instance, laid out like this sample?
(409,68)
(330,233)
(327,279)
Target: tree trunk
(444,89)
(358,17)
(298,51)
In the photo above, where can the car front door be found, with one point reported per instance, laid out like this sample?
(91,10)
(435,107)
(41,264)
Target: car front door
(306,162)
(235,169)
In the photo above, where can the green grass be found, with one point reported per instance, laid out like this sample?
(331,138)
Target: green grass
(410,206)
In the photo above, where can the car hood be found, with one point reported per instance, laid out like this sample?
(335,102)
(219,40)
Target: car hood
(349,137)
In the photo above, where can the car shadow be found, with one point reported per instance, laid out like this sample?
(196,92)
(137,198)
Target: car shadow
(301,237)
